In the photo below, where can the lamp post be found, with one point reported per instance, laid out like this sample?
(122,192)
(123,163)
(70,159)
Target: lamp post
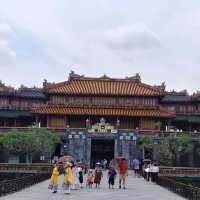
(118,123)
(87,123)
(119,142)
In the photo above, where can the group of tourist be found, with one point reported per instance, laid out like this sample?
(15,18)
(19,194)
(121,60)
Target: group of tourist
(151,171)
(74,176)
(148,169)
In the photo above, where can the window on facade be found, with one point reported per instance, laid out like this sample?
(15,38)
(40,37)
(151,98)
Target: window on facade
(171,108)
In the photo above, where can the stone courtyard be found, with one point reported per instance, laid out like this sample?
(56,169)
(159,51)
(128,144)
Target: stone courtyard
(137,189)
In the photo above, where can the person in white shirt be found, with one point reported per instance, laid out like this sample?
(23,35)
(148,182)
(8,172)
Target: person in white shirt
(146,171)
(149,171)
(154,173)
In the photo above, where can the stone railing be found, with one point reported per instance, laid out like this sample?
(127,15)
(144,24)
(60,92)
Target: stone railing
(186,191)
(47,168)
(16,184)
(61,131)
(26,168)
(179,171)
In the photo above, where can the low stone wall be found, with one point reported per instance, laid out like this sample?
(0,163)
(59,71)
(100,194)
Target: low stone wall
(6,176)
(28,168)
(47,168)
(186,191)
(16,184)
(180,171)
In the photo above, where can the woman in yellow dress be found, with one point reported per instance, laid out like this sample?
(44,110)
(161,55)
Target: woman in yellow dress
(68,177)
(54,179)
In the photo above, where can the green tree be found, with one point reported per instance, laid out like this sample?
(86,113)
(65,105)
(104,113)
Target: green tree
(170,149)
(45,141)
(38,141)
(145,144)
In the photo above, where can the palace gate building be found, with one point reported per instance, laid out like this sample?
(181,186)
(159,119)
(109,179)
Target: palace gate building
(98,118)
(102,115)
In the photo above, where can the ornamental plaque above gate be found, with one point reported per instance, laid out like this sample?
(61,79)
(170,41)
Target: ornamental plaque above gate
(102,127)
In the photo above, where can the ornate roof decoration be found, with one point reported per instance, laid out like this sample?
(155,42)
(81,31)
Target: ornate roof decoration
(136,78)
(174,96)
(73,75)
(4,88)
(104,77)
(161,87)
(81,85)
(30,93)
(178,93)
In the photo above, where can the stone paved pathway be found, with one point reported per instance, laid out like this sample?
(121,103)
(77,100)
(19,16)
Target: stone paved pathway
(137,189)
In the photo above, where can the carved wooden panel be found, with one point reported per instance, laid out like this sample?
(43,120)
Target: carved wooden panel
(104,101)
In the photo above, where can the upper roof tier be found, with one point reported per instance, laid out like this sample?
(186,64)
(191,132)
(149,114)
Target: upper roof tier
(80,85)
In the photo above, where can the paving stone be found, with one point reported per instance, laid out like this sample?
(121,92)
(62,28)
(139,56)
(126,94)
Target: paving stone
(137,189)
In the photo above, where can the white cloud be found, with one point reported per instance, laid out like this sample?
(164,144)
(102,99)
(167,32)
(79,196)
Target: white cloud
(138,37)
(103,36)
(7,54)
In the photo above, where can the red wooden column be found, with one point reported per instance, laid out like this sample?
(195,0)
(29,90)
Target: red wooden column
(169,121)
(48,121)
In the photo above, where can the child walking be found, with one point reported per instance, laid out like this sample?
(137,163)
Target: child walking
(80,176)
(111,177)
(54,179)
(98,175)
(90,179)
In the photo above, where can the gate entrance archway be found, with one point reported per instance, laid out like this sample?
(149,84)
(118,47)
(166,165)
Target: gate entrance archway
(102,149)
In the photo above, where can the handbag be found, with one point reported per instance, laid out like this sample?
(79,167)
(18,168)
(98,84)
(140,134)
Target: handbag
(50,187)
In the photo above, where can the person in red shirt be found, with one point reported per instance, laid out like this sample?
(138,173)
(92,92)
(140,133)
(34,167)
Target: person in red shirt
(123,172)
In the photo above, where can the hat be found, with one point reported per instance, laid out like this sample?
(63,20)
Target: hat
(68,164)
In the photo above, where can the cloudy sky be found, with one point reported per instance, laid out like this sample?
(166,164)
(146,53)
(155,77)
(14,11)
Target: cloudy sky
(48,38)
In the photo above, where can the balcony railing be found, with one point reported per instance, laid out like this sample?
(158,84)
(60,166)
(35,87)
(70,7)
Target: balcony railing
(60,131)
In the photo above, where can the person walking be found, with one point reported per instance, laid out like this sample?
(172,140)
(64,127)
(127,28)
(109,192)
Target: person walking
(105,162)
(136,166)
(123,173)
(111,177)
(75,181)
(54,179)
(150,166)
(98,175)
(155,171)
(90,179)
(80,176)
(68,178)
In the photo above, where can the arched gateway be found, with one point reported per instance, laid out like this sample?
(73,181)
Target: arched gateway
(99,118)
